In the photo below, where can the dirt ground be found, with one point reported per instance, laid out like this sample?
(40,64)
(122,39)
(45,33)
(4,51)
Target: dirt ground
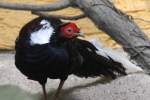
(15,86)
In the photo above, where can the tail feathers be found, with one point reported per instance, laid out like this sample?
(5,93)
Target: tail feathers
(100,66)
(95,65)
(111,68)
(116,56)
(117,67)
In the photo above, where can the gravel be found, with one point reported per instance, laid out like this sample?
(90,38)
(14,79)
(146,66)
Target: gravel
(15,86)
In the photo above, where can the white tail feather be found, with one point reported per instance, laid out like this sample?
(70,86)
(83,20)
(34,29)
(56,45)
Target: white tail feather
(116,56)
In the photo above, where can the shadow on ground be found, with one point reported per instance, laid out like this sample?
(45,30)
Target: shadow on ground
(66,94)
(10,92)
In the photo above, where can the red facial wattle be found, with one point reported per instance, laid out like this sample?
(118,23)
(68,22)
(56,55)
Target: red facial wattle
(70,30)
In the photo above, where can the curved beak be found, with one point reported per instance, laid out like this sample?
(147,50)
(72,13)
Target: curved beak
(80,34)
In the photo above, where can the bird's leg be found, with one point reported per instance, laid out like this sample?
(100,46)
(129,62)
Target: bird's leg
(59,89)
(44,92)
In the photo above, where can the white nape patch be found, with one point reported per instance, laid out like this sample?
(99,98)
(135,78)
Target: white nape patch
(42,36)
(117,56)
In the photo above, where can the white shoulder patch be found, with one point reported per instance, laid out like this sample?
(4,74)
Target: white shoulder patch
(42,36)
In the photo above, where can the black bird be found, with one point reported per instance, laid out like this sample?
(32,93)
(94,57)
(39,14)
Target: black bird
(37,54)
(49,48)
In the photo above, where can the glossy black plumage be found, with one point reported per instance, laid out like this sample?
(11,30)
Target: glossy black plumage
(95,64)
(60,57)
(38,62)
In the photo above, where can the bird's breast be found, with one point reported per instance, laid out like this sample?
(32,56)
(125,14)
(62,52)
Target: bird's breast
(42,59)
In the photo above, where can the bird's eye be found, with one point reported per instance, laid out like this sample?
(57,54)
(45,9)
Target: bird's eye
(69,30)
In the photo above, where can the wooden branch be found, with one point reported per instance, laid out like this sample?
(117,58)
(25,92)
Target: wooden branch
(121,27)
(47,7)
(44,14)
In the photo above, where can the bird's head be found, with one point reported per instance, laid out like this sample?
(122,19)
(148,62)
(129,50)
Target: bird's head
(70,31)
